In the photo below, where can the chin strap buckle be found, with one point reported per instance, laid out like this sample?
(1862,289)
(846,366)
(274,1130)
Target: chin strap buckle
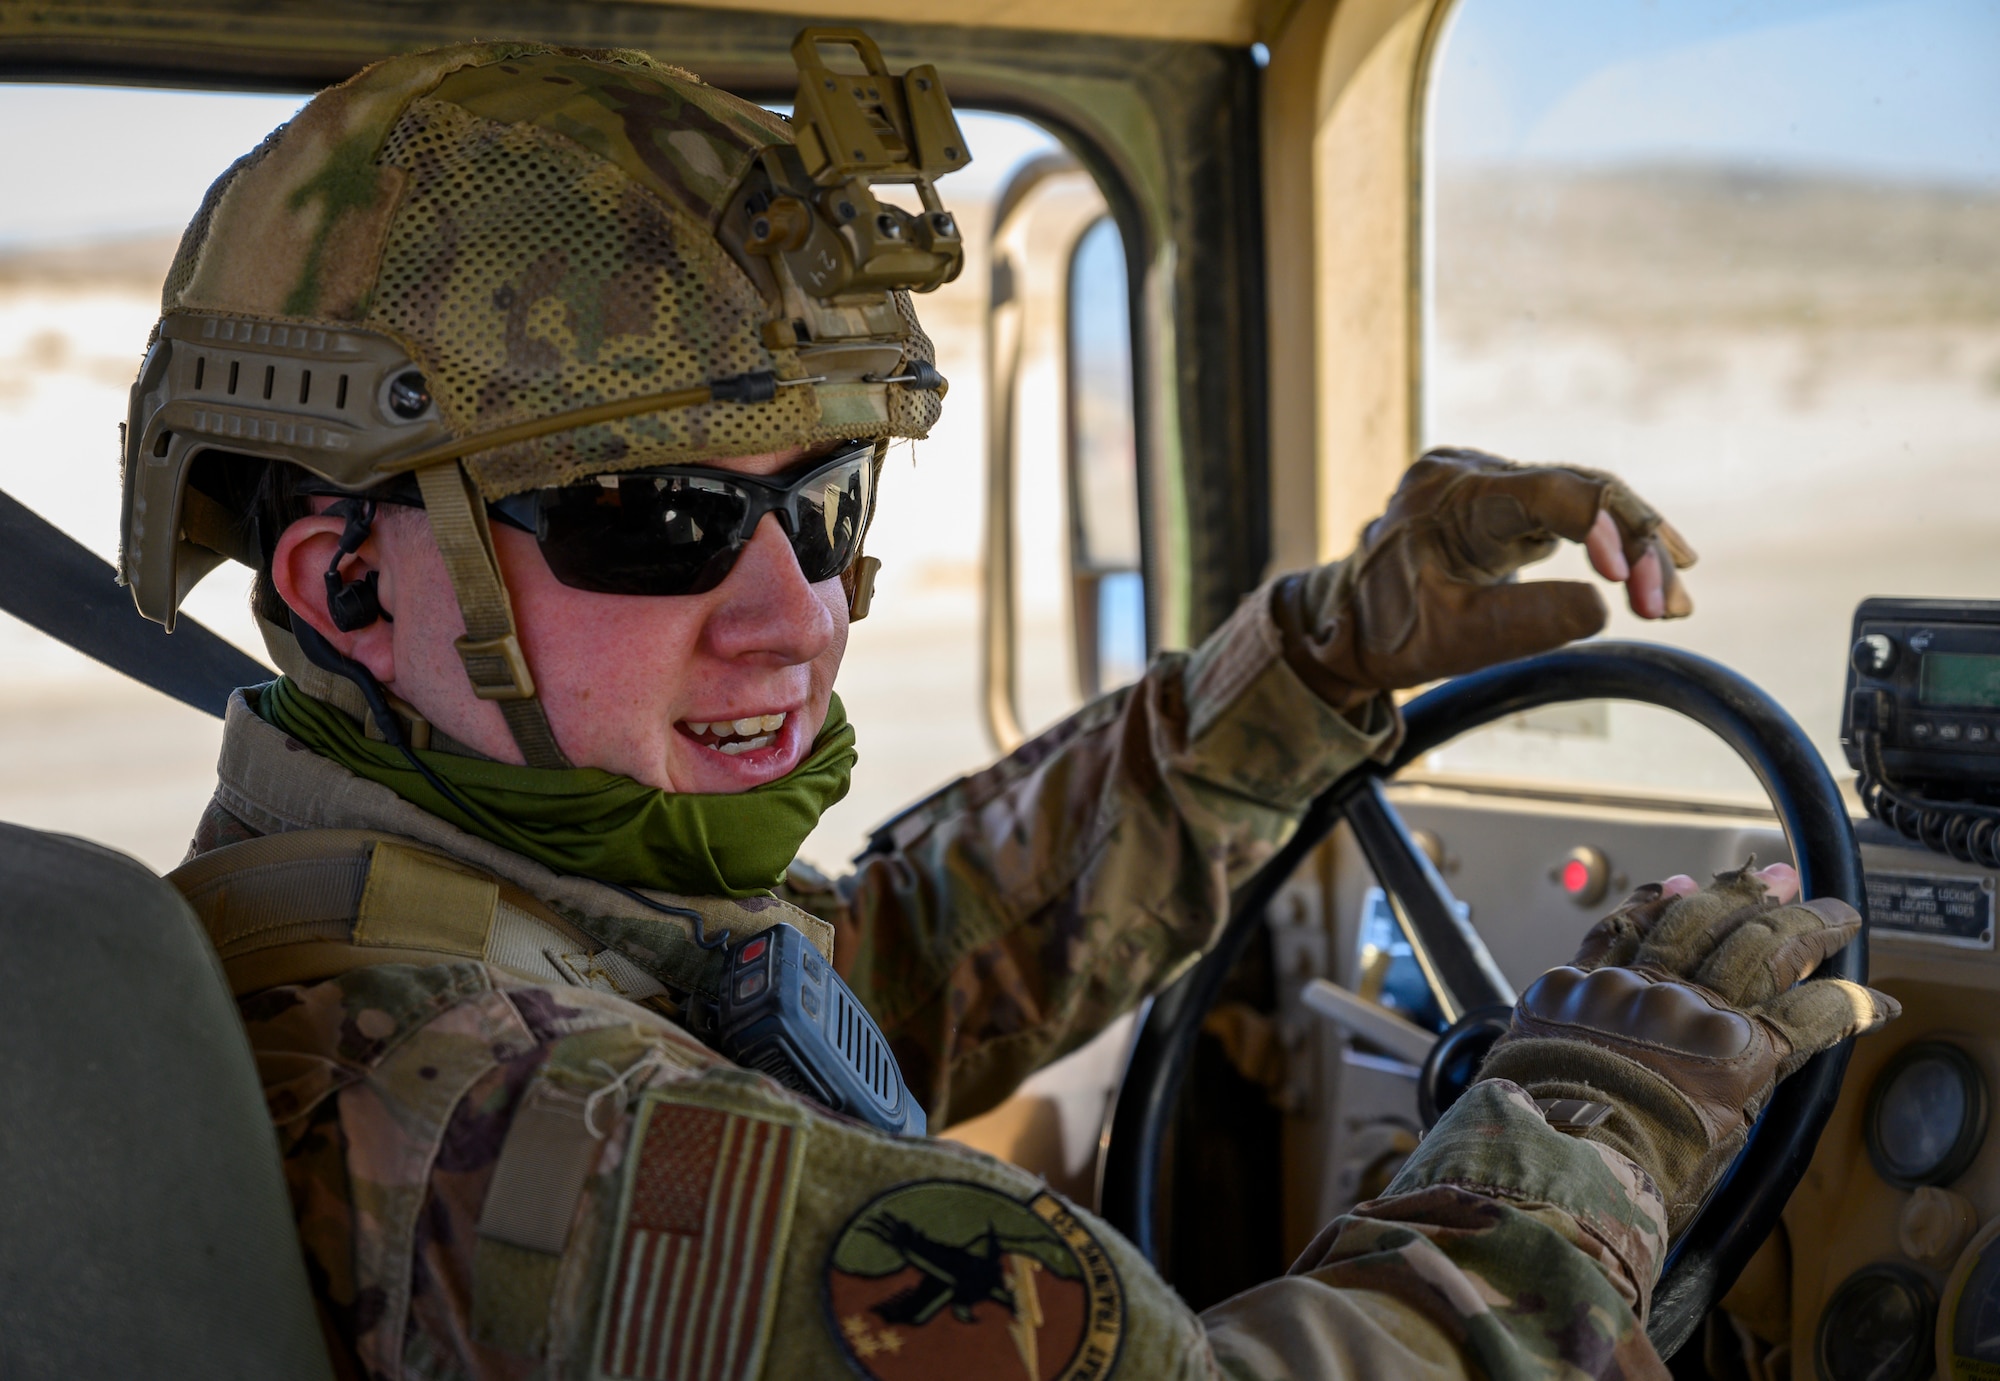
(490,649)
(496,667)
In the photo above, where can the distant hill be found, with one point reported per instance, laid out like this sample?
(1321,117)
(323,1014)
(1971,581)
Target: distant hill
(1663,247)
(130,264)
(1644,248)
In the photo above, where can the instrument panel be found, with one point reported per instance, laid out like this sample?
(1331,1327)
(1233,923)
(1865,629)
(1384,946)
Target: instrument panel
(1894,1233)
(1890,1264)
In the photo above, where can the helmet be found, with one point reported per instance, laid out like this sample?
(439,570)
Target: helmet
(502,266)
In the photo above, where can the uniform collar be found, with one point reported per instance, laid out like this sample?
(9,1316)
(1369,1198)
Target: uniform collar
(273,783)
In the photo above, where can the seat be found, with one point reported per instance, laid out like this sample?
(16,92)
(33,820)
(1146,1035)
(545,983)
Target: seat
(146,1228)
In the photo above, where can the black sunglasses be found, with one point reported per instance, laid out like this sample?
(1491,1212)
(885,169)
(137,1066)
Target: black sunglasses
(678,529)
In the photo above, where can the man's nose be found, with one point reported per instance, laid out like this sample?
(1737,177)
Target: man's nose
(766,608)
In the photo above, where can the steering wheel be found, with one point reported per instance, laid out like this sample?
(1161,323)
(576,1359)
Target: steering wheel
(1705,1260)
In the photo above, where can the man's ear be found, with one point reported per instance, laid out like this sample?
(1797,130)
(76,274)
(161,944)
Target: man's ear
(298,570)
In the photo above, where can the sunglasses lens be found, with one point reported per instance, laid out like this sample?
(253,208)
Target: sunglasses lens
(643,534)
(830,514)
(669,532)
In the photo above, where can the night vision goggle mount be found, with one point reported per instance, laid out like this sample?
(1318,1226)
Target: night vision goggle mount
(812,234)
(807,221)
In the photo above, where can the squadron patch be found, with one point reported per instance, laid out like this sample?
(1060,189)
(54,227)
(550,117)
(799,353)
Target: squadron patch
(949,1278)
(709,1194)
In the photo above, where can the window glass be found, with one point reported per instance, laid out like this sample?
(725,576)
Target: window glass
(1060,343)
(1110,595)
(95,204)
(912,677)
(92,216)
(1741,252)
(1104,459)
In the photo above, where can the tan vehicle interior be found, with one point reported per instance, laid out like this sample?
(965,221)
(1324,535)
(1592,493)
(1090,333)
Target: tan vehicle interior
(1248,260)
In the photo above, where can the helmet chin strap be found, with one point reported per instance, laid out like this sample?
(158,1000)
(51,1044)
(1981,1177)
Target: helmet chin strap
(491,648)
(858,580)
(323,655)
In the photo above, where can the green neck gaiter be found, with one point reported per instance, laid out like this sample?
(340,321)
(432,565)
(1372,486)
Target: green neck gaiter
(591,823)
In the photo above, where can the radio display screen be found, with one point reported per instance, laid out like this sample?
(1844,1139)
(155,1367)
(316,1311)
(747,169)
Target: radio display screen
(1967,679)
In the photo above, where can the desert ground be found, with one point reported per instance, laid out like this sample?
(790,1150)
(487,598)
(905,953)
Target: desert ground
(1802,373)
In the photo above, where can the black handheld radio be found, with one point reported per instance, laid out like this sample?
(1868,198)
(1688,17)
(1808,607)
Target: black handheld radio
(785,1013)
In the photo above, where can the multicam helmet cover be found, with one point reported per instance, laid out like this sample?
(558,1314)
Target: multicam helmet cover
(532,264)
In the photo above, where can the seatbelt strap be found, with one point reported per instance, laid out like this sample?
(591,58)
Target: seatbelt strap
(50,581)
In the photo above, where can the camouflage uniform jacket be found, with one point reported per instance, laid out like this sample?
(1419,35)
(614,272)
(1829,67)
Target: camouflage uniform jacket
(508,1176)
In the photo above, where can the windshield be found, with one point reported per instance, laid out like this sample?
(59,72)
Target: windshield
(1743,254)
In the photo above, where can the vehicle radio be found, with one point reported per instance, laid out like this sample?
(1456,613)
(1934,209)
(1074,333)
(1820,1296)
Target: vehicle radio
(1921,721)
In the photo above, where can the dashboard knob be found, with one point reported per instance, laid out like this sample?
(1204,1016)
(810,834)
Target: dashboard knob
(1935,1224)
(1874,654)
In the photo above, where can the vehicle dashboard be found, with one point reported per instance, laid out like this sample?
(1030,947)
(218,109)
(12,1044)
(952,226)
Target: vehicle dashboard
(1905,1246)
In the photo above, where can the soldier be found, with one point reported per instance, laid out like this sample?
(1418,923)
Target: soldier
(547,391)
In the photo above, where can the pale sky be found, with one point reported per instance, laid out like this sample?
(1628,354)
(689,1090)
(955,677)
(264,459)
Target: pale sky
(110,162)
(1906,90)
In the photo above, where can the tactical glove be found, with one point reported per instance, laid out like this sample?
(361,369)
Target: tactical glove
(1665,1035)
(1428,594)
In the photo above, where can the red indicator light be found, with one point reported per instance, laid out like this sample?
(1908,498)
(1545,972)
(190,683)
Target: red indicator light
(753,951)
(1584,876)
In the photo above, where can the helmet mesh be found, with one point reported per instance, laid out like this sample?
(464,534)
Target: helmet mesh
(534,278)
(914,411)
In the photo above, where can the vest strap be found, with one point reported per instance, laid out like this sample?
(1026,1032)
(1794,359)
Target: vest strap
(307,905)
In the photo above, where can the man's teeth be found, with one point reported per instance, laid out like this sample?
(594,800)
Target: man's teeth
(733,736)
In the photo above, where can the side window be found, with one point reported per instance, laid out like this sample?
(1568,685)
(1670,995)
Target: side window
(1065,612)
(1742,254)
(81,264)
(1009,591)
(90,221)
(1108,593)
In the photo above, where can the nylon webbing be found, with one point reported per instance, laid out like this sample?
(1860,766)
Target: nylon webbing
(490,648)
(524,1225)
(326,899)
(250,888)
(576,418)
(544,1161)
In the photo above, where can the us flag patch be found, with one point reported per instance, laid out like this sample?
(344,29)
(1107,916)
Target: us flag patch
(701,1231)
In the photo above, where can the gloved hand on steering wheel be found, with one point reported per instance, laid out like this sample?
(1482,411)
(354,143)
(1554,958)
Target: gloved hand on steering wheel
(1429,592)
(1666,1034)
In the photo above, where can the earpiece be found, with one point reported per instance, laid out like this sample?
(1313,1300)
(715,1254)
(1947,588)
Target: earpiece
(353,605)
